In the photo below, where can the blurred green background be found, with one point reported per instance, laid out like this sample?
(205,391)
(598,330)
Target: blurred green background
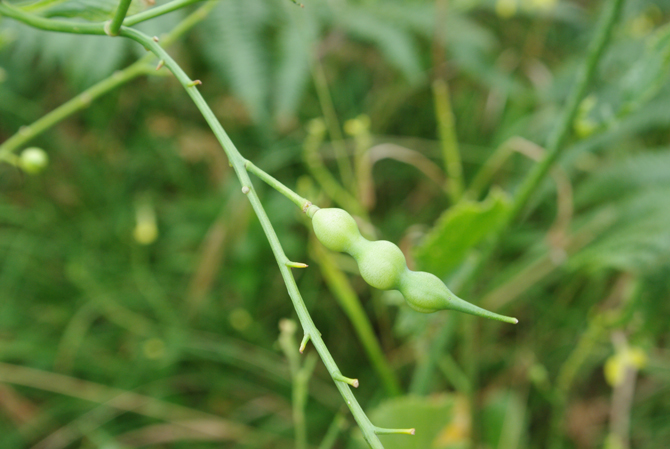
(140,302)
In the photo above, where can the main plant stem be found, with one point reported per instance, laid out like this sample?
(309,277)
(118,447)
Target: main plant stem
(240,166)
(84,99)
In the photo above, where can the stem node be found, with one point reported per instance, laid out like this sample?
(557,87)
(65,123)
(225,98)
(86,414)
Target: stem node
(291,264)
(303,343)
(347,380)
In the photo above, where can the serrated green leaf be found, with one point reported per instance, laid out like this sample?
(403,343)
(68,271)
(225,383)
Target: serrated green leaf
(441,422)
(458,230)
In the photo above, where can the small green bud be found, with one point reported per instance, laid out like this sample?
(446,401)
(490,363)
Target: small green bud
(33,160)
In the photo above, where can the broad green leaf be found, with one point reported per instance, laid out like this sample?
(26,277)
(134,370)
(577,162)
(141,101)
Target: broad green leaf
(458,230)
(441,422)
(93,10)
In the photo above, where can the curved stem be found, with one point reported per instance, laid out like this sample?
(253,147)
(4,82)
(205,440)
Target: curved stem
(158,11)
(81,101)
(240,167)
(63,26)
(84,99)
(555,145)
(119,16)
(299,201)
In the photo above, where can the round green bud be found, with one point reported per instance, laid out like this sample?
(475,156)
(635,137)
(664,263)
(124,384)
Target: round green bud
(381,263)
(336,229)
(33,160)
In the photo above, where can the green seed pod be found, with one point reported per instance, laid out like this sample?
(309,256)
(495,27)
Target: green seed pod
(426,293)
(382,264)
(33,160)
(336,229)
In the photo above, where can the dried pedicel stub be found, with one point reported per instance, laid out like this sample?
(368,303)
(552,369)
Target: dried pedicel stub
(382,264)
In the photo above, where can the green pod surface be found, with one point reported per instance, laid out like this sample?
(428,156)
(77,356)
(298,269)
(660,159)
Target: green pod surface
(336,229)
(425,292)
(382,264)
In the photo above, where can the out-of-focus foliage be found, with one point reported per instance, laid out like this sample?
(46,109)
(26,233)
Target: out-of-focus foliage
(134,262)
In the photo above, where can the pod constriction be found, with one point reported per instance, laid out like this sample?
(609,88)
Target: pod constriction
(382,265)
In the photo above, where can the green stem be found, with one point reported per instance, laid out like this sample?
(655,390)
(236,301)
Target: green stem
(333,430)
(84,99)
(326,180)
(492,164)
(423,373)
(333,124)
(81,101)
(119,16)
(448,140)
(351,304)
(299,201)
(239,165)
(158,11)
(42,23)
(554,145)
(556,140)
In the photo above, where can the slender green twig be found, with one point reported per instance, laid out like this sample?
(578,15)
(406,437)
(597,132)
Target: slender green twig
(84,99)
(555,143)
(448,140)
(300,375)
(351,304)
(81,101)
(157,11)
(333,124)
(299,201)
(112,27)
(239,165)
(333,430)
(63,26)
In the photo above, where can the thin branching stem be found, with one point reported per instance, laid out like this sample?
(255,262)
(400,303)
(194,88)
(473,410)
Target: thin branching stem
(555,143)
(84,99)
(63,26)
(113,28)
(240,167)
(158,11)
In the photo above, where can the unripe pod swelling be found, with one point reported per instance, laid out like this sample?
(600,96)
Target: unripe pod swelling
(383,266)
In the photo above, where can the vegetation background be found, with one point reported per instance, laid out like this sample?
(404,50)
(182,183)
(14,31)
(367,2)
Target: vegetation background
(140,302)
